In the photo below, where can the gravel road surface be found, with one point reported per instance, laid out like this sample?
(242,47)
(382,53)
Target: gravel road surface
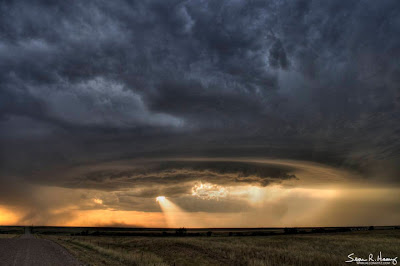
(28,250)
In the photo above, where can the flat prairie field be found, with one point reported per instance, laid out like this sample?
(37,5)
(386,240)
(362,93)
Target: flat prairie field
(8,236)
(283,249)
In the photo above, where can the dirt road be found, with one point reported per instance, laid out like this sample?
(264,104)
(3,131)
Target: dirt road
(28,250)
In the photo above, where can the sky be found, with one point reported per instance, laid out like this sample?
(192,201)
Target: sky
(236,113)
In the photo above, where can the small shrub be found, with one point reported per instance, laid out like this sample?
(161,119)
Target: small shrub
(290,230)
(318,230)
(181,231)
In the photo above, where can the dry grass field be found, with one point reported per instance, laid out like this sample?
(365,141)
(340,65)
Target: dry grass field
(8,235)
(285,249)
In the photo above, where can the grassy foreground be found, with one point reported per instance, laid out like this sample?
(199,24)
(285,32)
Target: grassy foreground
(8,236)
(307,249)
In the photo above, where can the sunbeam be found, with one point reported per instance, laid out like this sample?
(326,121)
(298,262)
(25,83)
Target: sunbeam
(175,216)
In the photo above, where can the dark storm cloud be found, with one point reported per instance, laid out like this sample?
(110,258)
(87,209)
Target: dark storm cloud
(134,186)
(88,81)
(174,178)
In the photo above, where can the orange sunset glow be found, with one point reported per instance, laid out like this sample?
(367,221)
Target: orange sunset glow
(318,196)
